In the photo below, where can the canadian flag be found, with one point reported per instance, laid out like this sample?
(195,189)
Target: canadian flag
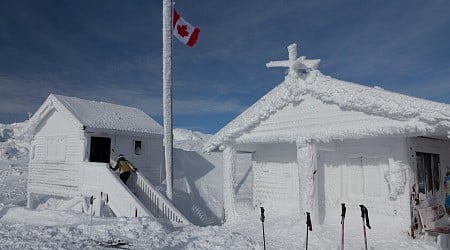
(184,31)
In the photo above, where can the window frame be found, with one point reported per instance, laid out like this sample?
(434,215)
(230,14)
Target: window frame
(135,144)
(428,173)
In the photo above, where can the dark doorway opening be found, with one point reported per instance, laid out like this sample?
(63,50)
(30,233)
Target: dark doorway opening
(100,149)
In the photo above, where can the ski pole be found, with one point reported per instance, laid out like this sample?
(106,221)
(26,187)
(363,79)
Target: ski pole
(262,221)
(342,223)
(106,218)
(308,227)
(91,201)
(365,220)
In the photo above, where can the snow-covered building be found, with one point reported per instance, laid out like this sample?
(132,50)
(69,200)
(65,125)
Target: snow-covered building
(316,142)
(74,141)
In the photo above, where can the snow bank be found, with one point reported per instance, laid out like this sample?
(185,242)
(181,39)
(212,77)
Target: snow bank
(196,173)
(59,228)
(48,217)
(180,134)
(24,229)
(13,148)
(189,140)
(56,225)
(13,165)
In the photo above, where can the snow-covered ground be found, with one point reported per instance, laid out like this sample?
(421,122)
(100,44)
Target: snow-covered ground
(55,225)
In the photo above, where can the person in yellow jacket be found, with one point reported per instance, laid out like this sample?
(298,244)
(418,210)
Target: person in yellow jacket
(125,167)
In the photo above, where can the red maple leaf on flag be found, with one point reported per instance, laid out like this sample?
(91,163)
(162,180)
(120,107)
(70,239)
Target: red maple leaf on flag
(182,30)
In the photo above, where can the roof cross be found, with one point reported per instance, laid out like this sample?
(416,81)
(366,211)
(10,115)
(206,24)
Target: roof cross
(295,65)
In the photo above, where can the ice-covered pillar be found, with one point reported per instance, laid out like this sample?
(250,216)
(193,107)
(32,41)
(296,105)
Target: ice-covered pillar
(229,166)
(167,93)
(306,153)
(30,201)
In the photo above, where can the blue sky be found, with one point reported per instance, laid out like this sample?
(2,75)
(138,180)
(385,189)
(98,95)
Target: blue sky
(111,50)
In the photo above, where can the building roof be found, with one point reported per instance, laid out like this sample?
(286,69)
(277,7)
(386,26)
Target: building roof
(346,95)
(101,115)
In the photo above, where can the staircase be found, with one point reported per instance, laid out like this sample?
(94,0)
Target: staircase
(139,198)
(154,201)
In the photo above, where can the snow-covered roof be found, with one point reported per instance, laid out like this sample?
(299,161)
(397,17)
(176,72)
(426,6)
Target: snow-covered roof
(102,115)
(346,95)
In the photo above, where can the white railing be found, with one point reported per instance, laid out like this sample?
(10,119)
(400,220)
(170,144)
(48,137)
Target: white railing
(154,201)
(99,180)
(138,198)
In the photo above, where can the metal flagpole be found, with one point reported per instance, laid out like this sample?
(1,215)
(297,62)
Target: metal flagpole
(167,93)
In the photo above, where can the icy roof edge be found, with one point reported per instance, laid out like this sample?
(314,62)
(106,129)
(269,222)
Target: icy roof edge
(67,102)
(347,95)
(59,102)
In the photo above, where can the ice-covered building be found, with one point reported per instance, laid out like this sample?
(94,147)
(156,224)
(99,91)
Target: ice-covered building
(316,142)
(74,141)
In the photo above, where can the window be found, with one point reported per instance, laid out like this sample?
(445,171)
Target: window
(137,147)
(428,175)
(365,174)
(56,148)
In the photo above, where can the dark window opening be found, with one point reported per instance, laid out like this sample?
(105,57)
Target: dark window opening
(137,147)
(428,174)
(100,149)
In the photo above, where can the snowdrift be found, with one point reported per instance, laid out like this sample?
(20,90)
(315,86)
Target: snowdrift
(58,224)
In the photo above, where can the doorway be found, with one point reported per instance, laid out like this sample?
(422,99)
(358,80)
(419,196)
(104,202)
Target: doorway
(100,149)
(427,189)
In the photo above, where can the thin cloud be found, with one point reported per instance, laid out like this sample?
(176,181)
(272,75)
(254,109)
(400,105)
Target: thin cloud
(431,88)
(206,106)
(14,106)
(17,98)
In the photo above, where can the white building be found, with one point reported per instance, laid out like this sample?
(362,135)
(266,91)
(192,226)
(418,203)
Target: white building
(73,143)
(317,142)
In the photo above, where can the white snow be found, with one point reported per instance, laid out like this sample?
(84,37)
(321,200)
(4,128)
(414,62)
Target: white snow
(297,66)
(421,115)
(102,115)
(56,224)
(306,171)
(396,178)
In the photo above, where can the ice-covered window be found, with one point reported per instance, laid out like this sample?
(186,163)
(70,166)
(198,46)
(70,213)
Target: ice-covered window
(56,148)
(428,175)
(137,147)
(365,175)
